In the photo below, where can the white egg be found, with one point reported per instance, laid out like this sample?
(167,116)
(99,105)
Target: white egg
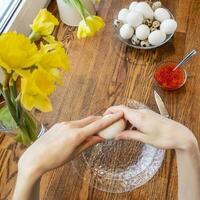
(113,130)
(126,31)
(133,5)
(168,26)
(142,32)
(161,14)
(134,18)
(123,14)
(157,37)
(145,9)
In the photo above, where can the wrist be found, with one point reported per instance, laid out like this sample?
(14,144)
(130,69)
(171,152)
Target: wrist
(187,140)
(190,146)
(26,180)
(28,171)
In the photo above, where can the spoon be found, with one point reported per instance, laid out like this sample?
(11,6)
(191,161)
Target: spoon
(186,59)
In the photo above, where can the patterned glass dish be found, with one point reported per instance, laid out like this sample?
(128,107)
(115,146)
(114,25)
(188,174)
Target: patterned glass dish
(116,26)
(118,166)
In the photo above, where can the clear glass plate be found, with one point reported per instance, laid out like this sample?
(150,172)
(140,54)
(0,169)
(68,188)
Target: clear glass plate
(129,43)
(118,166)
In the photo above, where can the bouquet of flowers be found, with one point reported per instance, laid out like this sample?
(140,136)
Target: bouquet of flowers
(90,24)
(31,68)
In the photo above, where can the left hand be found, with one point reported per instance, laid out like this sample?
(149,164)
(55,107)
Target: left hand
(62,143)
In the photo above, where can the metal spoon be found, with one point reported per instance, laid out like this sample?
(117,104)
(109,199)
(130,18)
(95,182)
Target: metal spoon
(186,59)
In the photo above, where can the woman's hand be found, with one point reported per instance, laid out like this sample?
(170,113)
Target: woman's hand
(154,129)
(62,143)
(58,145)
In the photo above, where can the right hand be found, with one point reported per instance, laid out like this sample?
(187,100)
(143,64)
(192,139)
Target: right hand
(154,129)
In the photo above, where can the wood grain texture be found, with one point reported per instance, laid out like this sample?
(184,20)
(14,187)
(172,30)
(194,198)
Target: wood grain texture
(102,67)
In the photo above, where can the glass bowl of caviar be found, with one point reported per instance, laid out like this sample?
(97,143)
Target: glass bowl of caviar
(169,78)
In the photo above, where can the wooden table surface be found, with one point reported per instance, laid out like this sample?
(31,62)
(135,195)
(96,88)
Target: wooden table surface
(102,67)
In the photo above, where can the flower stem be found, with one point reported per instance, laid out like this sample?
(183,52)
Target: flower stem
(79,6)
(25,123)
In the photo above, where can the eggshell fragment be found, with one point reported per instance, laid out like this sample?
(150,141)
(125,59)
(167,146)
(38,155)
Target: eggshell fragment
(142,32)
(113,130)
(145,9)
(134,18)
(126,31)
(157,37)
(168,26)
(161,14)
(123,14)
(133,5)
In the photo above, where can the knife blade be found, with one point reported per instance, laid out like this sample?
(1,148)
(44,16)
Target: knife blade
(161,105)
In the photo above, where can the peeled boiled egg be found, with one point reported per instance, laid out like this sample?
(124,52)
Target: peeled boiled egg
(113,130)
(123,14)
(145,9)
(126,31)
(133,5)
(161,14)
(168,26)
(134,18)
(157,37)
(142,32)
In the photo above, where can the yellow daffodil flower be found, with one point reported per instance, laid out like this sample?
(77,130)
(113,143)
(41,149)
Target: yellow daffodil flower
(38,83)
(35,89)
(89,26)
(17,52)
(43,24)
(53,56)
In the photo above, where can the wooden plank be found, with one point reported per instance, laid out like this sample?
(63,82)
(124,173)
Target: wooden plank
(103,68)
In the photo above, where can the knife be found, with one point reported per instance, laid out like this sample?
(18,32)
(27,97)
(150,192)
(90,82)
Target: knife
(161,105)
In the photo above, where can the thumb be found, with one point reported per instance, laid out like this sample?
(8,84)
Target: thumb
(132,135)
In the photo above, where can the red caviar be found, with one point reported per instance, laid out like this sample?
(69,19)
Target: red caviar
(169,79)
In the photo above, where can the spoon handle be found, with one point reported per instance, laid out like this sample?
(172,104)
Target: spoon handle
(186,59)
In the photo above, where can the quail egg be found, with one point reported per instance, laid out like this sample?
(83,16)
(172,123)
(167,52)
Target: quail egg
(142,32)
(156,5)
(157,37)
(144,43)
(135,40)
(161,14)
(134,18)
(133,5)
(145,9)
(168,26)
(148,22)
(126,31)
(123,14)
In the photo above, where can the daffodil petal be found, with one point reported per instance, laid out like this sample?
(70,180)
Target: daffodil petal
(89,26)
(44,23)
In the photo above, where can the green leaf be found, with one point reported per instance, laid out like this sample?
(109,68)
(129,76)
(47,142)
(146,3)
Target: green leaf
(6,119)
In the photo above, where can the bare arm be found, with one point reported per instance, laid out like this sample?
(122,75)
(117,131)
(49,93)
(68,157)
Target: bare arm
(188,164)
(59,145)
(161,132)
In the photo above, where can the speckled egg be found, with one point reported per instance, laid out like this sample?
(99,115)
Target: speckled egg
(145,9)
(157,37)
(123,14)
(161,14)
(133,5)
(134,18)
(168,26)
(126,31)
(156,5)
(142,32)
